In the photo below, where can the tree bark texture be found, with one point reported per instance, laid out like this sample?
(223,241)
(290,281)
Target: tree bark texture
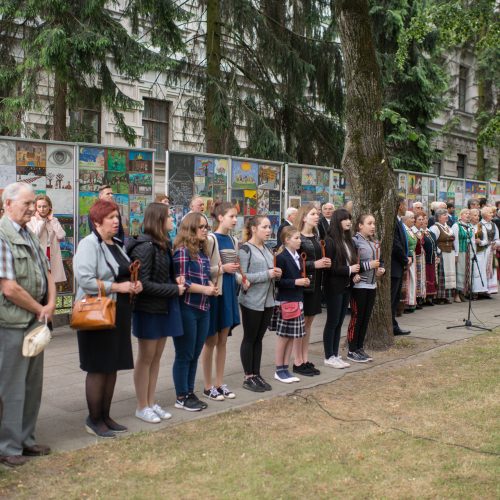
(364,163)
(59,129)
(212,94)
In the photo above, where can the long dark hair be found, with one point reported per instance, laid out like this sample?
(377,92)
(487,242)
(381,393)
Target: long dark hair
(155,219)
(342,238)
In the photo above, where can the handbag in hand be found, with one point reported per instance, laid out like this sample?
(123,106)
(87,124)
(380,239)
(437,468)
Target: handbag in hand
(290,310)
(36,339)
(94,313)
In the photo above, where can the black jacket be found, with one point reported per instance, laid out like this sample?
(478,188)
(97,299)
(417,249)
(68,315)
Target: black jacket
(314,275)
(399,257)
(287,290)
(338,277)
(156,274)
(323,227)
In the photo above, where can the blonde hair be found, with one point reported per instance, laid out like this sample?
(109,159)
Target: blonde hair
(187,235)
(301,214)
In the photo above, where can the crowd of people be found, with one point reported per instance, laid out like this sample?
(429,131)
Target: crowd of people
(196,283)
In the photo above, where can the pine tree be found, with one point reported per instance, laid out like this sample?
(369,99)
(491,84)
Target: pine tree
(76,47)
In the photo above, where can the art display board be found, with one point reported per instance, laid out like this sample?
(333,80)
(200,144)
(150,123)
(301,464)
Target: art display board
(494,191)
(475,189)
(417,186)
(255,187)
(190,174)
(452,189)
(129,172)
(49,168)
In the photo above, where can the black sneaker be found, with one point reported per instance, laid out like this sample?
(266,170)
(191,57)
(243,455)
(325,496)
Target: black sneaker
(262,383)
(303,369)
(363,353)
(199,401)
(213,394)
(188,404)
(312,368)
(356,357)
(252,385)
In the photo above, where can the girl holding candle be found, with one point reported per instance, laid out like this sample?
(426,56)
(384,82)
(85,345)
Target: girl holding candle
(224,312)
(307,222)
(338,281)
(256,298)
(365,289)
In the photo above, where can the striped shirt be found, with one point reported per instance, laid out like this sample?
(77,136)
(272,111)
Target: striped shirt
(195,270)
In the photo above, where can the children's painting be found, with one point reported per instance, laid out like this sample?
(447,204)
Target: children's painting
(122,200)
(402,184)
(238,200)
(308,193)
(116,160)
(85,201)
(220,172)
(294,201)
(118,181)
(136,222)
(203,167)
(31,154)
(414,184)
(274,202)
(250,202)
(245,175)
(91,180)
(220,193)
(140,161)
(323,179)
(141,184)
(60,156)
(269,177)
(263,201)
(322,193)
(294,181)
(138,204)
(309,177)
(91,158)
(275,224)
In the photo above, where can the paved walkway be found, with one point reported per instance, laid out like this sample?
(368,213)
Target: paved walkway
(63,410)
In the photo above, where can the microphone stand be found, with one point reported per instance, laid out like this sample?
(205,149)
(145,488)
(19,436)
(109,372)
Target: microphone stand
(467,322)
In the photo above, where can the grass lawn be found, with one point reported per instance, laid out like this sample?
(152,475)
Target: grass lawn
(359,437)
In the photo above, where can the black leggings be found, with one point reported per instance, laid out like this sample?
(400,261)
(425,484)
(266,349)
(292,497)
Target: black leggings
(362,301)
(255,324)
(336,308)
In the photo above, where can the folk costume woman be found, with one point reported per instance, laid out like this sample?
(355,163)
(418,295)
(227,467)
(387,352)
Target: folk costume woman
(463,232)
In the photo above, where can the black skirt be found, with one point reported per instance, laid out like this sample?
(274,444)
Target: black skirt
(312,301)
(106,351)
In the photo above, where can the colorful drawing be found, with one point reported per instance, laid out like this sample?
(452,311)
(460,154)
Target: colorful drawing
(323,179)
(117,160)
(322,194)
(136,222)
(7,153)
(91,158)
(245,175)
(425,186)
(91,180)
(140,161)
(31,154)
(414,184)
(432,186)
(238,199)
(269,177)
(209,202)
(203,167)
(274,202)
(402,184)
(31,171)
(309,177)
(294,201)
(83,225)
(60,156)
(338,198)
(141,184)
(118,181)
(336,180)
(494,191)
(122,200)
(250,202)
(203,185)
(263,201)
(475,189)
(138,204)
(220,172)
(220,193)
(85,201)
(308,193)
(37,182)
(275,224)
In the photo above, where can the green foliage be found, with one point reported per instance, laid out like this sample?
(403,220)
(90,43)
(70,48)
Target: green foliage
(73,42)
(414,89)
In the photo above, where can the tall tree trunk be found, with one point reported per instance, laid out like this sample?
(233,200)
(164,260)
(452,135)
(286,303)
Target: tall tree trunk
(481,108)
(212,95)
(364,162)
(59,129)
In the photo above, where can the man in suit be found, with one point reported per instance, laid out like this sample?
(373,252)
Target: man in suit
(290,215)
(399,261)
(327,210)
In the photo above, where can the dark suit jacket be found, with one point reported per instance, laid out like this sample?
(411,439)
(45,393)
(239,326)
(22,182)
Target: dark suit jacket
(287,290)
(278,236)
(399,257)
(323,227)
(337,278)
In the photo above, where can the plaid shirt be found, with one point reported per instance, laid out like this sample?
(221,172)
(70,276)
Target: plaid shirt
(196,271)
(7,260)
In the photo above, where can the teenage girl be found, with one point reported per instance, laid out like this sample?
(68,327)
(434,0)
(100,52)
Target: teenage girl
(338,282)
(193,268)
(256,298)
(290,290)
(364,291)
(307,223)
(224,313)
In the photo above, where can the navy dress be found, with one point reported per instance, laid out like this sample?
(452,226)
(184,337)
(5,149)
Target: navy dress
(224,311)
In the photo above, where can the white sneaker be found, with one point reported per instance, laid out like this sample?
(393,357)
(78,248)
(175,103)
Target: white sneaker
(334,362)
(285,377)
(148,415)
(346,365)
(164,415)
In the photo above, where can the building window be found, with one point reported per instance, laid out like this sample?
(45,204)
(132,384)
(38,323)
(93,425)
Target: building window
(437,162)
(85,125)
(461,165)
(155,123)
(462,87)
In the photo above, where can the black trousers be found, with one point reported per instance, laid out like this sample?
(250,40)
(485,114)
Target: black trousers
(336,308)
(362,301)
(255,324)
(396,285)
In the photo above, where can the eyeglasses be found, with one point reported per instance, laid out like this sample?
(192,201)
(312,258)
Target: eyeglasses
(203,226)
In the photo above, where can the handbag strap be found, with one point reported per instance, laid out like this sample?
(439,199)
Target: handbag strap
(101,293)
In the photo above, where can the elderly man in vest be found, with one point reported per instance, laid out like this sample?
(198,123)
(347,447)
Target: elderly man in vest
(27,293)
